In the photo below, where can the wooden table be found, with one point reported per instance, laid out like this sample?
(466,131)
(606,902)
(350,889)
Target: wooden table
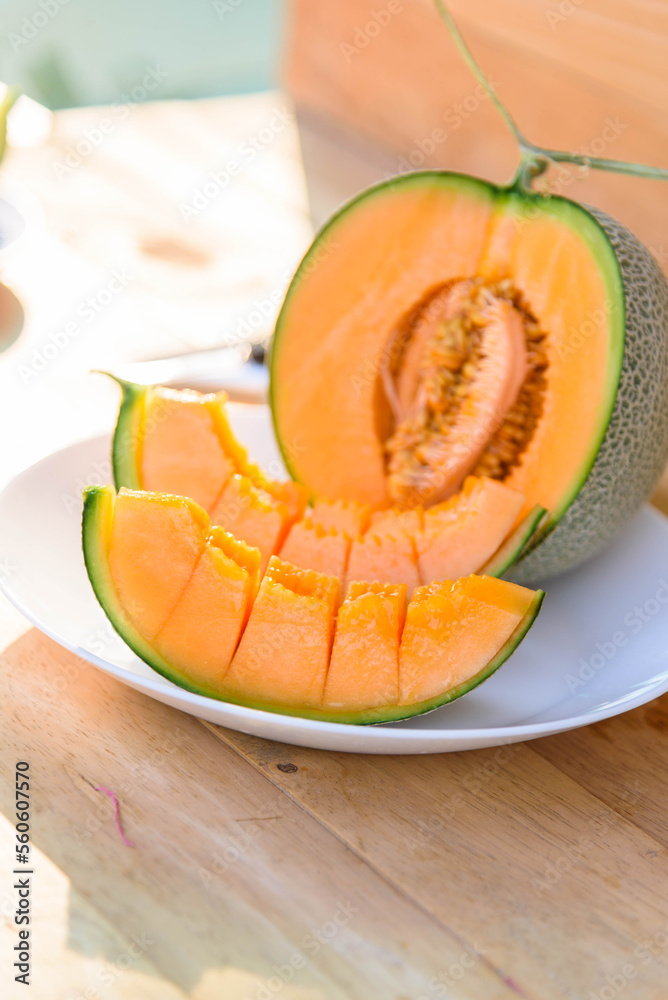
(261,870)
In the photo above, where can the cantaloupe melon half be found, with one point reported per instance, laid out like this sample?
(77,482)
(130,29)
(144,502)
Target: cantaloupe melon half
(587,292)
(287,647)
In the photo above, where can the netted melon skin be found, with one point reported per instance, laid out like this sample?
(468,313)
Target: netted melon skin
(635,447)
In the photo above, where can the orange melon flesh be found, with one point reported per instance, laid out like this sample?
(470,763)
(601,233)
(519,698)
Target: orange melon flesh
(201,634)
(450,635)
(395,247)
(391,248)
(397,522)
(562,282)
(388,558)
(155,544)
(251,515)
(180,450)
(364,665)
(284,652)
(499,593)
(293,495)
(310,546)
(460,535)
(341,515)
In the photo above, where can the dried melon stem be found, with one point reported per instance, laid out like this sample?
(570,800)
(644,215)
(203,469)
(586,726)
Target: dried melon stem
(443,348)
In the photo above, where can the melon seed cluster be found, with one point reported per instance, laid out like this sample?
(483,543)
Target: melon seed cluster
(447,367)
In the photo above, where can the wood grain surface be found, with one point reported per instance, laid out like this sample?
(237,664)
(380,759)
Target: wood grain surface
(261,870)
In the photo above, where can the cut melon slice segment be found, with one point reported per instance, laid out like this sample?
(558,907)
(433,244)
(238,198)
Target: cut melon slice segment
(342,515)
(293,495)
(462,534)
(155,543)
(180,448)
(397,522)
(519,541)
(364,666)
(284,652)
(252,515)
(202,633)
(384,558)
(456,634)
(310,546)
(181,441)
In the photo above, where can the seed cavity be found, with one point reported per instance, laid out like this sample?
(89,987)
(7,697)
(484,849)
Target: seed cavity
(438,355)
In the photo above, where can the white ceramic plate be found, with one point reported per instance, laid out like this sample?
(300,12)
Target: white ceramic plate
(599,646)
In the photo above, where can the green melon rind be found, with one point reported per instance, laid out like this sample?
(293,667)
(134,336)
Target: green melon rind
(96,524)
(125,455)
(609,487)
(517,543)
(634,450)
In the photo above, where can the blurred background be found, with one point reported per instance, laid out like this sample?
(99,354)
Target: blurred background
(66,53)
(169,161)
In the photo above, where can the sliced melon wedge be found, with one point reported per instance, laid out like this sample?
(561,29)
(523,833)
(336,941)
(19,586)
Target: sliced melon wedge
(201,635)
(253,515)
(180,441)
(183,597)
(152,532)
(386,558)
(463,533)
(284,653)
(342,515)
(364,667)
(457,634)
(311,546)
